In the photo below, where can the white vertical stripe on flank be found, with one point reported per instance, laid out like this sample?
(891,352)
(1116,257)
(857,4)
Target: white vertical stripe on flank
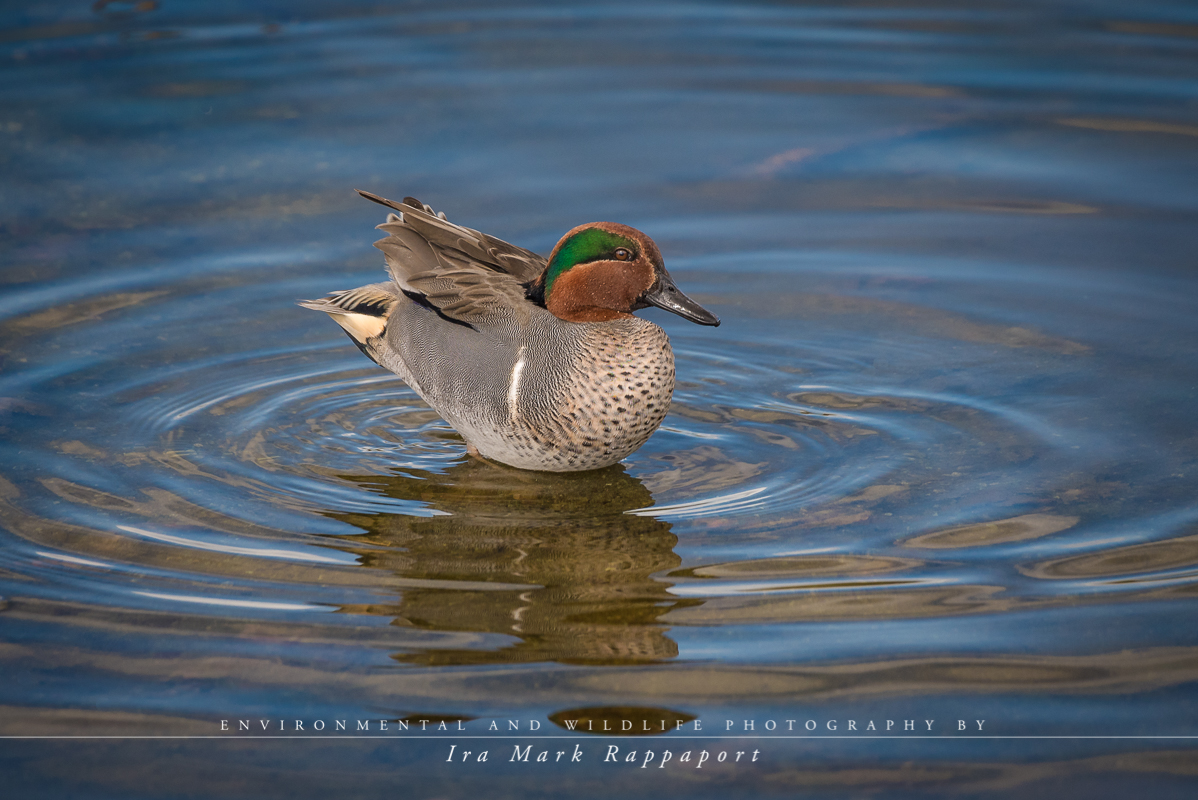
(513,392)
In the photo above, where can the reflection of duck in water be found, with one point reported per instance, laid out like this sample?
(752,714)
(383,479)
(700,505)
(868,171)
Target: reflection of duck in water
(538,363)
(550,559)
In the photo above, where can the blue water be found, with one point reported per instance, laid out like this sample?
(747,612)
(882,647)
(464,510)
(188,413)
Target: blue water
(938,463)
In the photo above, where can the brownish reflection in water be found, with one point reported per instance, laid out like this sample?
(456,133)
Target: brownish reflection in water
(799,567)
(550,559)
(1015,529)
(900,601)
(1170,554)
(1122,672)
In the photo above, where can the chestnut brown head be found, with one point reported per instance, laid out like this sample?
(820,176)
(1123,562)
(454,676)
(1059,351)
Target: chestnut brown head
(603,271)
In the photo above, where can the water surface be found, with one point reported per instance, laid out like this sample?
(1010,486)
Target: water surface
(937,463)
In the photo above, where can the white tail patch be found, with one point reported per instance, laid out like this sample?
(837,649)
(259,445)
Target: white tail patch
(513,392)
(361,326)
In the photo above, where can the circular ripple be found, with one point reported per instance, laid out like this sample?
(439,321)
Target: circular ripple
(751,438)
(236,446)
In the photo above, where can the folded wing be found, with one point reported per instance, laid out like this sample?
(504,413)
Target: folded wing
(466,275)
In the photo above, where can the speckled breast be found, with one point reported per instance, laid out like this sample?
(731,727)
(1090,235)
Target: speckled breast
(614,391)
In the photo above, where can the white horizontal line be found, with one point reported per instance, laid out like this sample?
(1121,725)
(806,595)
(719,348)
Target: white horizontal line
(233,602)
(73,559)
(262,552)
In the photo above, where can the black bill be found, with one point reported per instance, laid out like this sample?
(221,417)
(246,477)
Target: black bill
(665,294)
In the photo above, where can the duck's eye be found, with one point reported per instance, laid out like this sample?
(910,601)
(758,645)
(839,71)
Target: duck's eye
(623,254)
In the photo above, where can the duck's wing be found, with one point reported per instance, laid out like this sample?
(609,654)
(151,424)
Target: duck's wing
(466,275)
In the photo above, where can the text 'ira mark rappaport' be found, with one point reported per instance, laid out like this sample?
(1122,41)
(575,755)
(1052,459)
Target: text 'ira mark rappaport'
(641,758)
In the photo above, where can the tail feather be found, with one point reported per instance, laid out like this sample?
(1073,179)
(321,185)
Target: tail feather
(362,312)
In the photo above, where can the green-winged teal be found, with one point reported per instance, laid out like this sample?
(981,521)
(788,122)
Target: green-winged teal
(538,363)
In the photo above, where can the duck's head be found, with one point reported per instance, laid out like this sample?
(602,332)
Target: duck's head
(603,271)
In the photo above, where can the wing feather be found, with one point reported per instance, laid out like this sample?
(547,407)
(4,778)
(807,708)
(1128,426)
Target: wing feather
(465,274)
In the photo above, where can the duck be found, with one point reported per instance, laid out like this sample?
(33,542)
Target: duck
(539,363)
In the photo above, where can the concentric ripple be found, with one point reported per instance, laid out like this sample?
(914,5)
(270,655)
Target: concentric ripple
(751,440)
(789,468)
(795,433)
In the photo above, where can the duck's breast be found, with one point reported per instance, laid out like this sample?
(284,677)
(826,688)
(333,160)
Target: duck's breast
(594,396)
